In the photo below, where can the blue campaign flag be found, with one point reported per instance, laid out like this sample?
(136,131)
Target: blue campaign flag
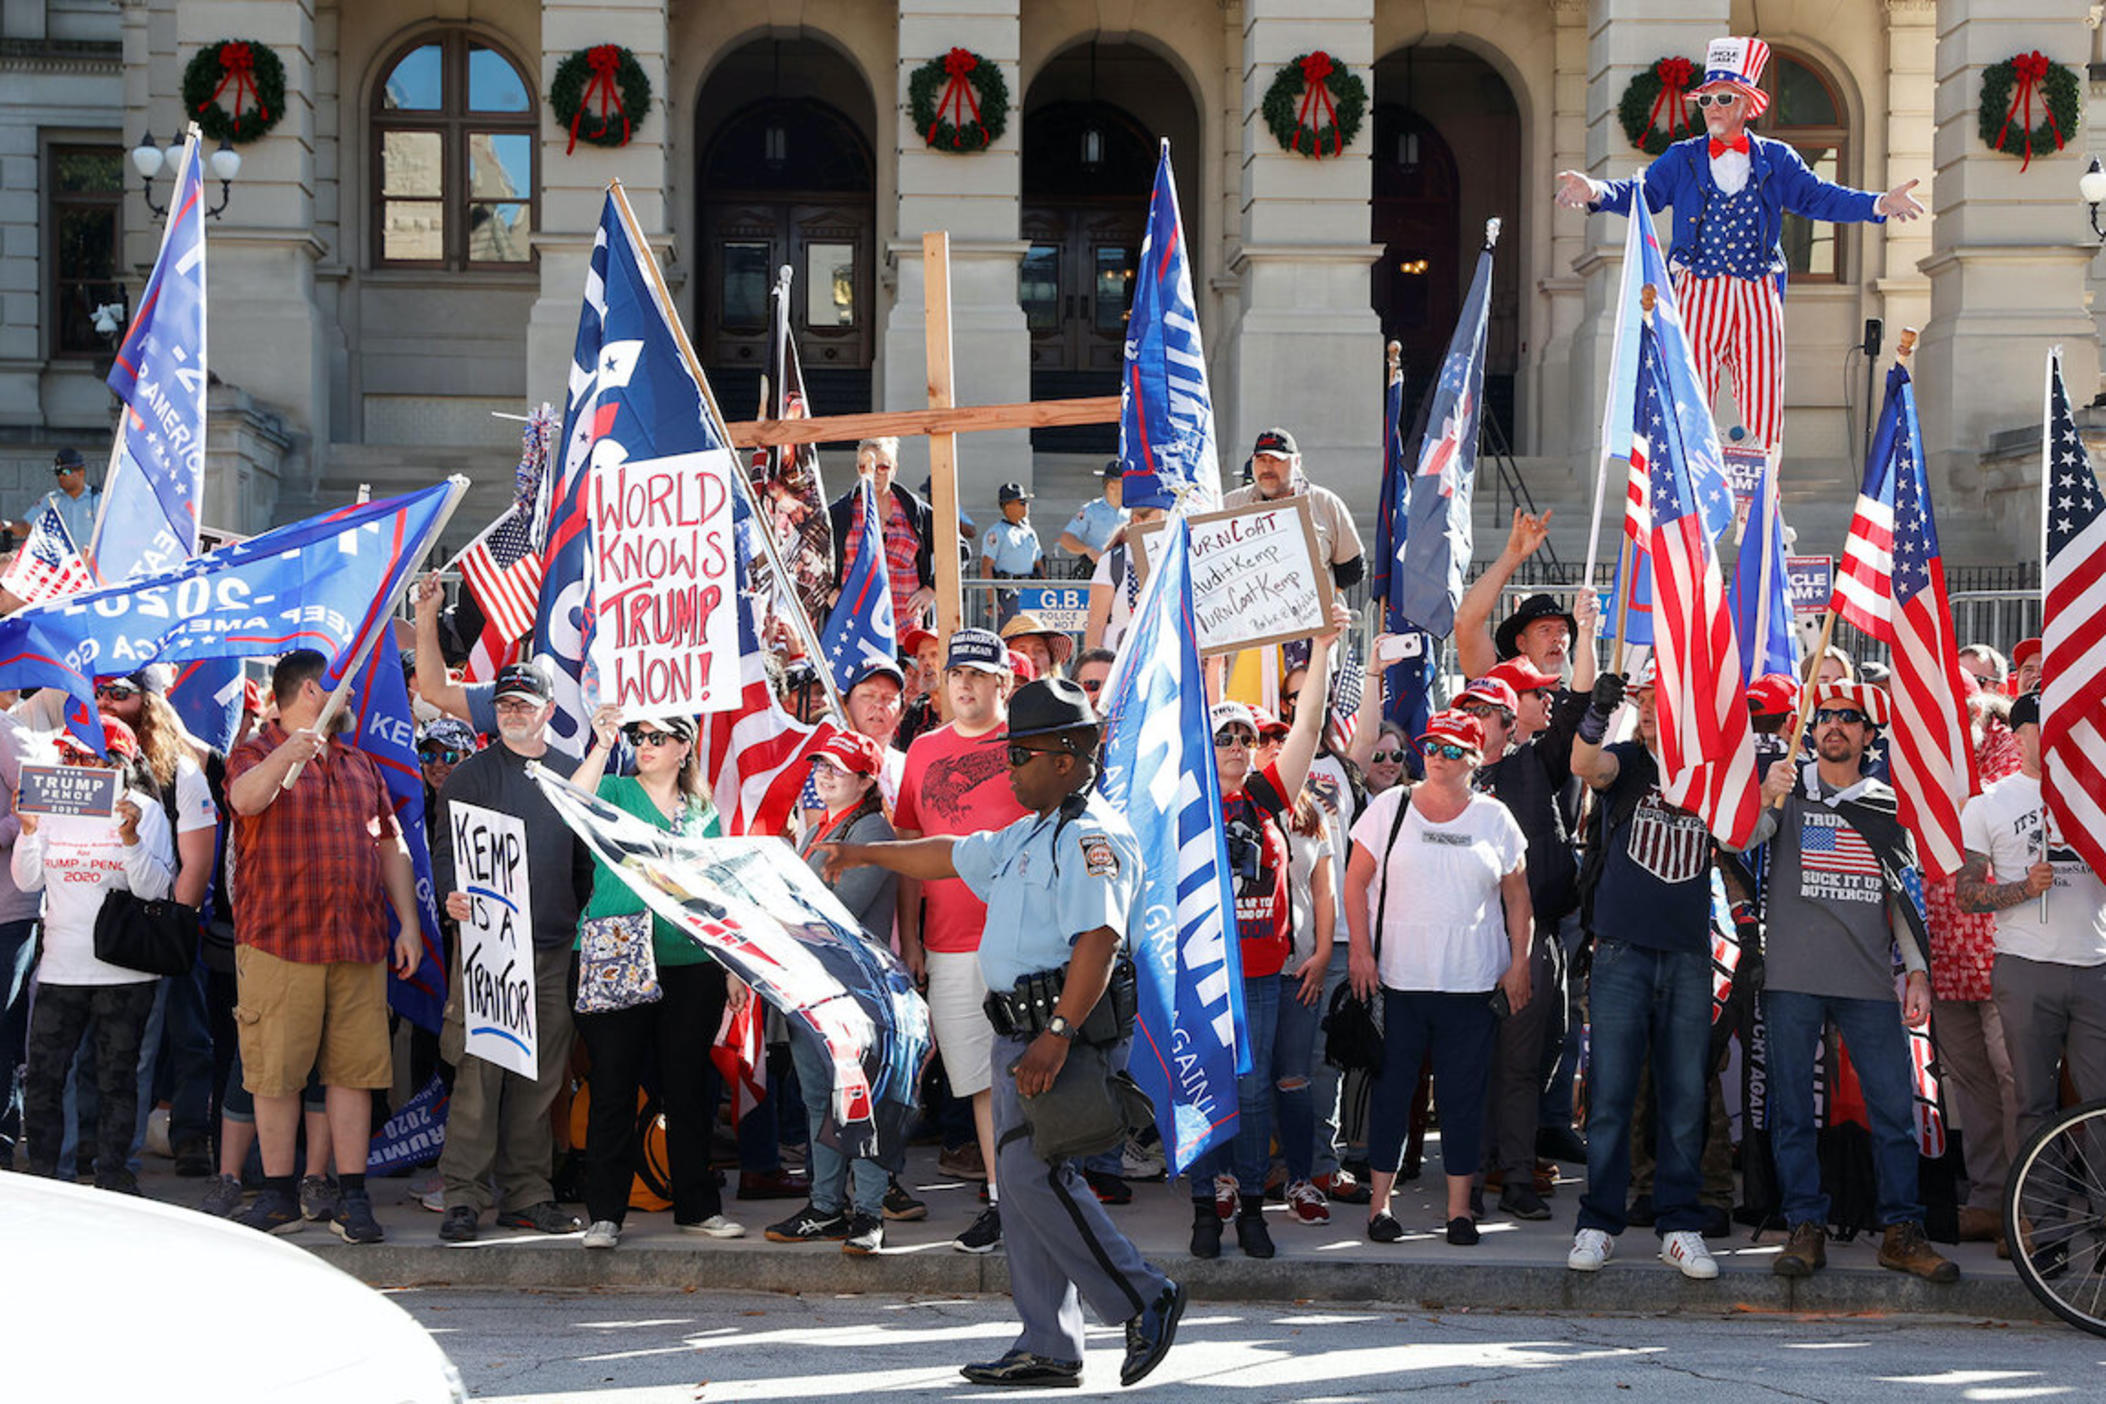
(1762,591)
(1159,770)
(149,515)
(384,728)
(1437,543)
(860,630)
(1407,698)
(206,695)
(1166,413)
(327,583)
(632,398)
(1634,564)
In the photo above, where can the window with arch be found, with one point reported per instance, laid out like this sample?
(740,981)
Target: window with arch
(1807,111)
(455,129)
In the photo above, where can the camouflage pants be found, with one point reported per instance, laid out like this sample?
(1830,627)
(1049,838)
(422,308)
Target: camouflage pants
(58,1019)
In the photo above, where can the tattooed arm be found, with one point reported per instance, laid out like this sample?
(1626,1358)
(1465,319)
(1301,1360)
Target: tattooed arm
(1977,894)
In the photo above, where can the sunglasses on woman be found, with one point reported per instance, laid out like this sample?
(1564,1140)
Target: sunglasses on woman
(1446,750)
(1385,757)
(640,737)
(1224,739)
(443,757)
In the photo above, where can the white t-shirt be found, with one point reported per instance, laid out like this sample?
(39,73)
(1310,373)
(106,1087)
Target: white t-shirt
(1120,618)
(1334,796)
(2004,822)
(74,859)
(1445,925)
(1303,854)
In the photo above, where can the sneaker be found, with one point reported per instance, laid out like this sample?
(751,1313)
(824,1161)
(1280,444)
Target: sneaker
(273,1213)
(866,1235)
(425,1181)
(1590,1249)
(157,1134)
(1905,1249)
(1305,1202)
(1685,1249)
(1142,1162)
(1226,1199)
(544,1217)
(1109,1189)
(808,1225)
(901,1207)
(434,1199)
(604,1233)
(354,1222)
(1521,1202)
(985,1233)
(320,1199)
(1252,1237)
(962,1162)
(715,1226)
(1384,1228)
(222,1198)
(1343,1186)
(1805,1252)
(460,1225)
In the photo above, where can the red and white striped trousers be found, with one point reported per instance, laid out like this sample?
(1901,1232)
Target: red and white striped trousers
(1738,323)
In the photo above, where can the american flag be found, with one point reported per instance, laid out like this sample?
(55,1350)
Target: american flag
(1836,848)
(1437,545)
(502,567)
(2073,634)
(1707,748)
(1891,585)
(47,567)
(1348,691)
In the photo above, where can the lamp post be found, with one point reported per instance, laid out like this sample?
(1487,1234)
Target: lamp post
(2092,187)
(150,160)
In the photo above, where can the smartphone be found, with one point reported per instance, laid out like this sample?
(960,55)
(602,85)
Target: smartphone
(1501,1006)
(1398,647)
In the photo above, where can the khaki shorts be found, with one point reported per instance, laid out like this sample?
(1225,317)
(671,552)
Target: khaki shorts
(291,1016)
(958,1014)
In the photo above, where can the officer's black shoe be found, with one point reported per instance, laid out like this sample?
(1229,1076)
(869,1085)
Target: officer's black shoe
(1148,1336)
(1206,1230)
(1251,1236)
(1026,1370)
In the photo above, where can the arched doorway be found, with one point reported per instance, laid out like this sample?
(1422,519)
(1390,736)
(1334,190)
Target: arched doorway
(1093,121)
(786,176)
(1447,156)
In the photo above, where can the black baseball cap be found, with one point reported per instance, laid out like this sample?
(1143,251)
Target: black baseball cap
(1275,441)
(67,460)
(1114,469)
(523,680)
(1012,492)
(2025,708)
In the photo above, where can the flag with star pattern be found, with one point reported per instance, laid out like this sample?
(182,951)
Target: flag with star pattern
(2073,631)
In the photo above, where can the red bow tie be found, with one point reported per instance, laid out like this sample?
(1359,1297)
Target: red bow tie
(1720,148)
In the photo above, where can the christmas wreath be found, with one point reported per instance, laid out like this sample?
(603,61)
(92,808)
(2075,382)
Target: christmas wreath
(959,101)
(2012,91)
(601,94)
(1314,102)
(256,79)
(1661,90)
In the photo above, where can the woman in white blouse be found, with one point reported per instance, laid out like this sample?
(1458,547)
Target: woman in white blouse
(1450,891)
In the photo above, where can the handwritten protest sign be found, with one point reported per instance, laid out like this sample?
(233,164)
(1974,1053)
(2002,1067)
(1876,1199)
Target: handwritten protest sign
(666,641)
(497,940)
(1258,576)
(67,789)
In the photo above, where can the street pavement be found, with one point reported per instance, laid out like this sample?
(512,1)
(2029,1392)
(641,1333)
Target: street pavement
(620,1347)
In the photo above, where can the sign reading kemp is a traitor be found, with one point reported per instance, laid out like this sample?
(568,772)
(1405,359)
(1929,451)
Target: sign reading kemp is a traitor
(497,939)
(1258,575)
(666,605)
(67,789)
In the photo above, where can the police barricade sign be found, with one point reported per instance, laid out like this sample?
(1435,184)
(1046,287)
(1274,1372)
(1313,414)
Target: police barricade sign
(1812,581)
(1064,608)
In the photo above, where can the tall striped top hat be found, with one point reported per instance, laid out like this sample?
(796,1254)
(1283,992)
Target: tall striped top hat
(1737,64)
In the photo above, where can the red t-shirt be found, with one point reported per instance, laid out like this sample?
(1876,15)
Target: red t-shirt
(1258,858)
(955,785)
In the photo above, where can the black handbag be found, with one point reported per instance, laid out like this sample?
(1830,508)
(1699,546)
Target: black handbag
(1353,1026)
(152,936)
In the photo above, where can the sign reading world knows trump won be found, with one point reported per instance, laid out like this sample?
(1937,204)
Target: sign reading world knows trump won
(497,939)
(666,638)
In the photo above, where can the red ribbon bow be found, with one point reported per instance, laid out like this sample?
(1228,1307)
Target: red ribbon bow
(605,61)
(959,98)
(237,65)
(1315,68)
(2031,70)
(1674,75)
(1720,148)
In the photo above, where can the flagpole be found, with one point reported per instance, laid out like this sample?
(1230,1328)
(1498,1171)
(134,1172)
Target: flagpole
(806,635)
(1601,472)
(1627,552)
(1903,349)
(2047,462)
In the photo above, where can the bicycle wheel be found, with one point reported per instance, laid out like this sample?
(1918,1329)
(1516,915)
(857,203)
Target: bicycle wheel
(2055,1216)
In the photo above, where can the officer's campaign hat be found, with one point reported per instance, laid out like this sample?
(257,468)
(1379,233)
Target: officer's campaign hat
(1049,705)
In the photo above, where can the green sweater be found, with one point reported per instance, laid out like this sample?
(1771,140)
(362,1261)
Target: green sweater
(611,896)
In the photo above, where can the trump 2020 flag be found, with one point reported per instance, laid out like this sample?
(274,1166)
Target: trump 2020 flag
(860,630)
(631,398)
(149,515)
(1762,593)
(1166,413)
(1159,770)
(1437,545)
(379,707)
(1407,697)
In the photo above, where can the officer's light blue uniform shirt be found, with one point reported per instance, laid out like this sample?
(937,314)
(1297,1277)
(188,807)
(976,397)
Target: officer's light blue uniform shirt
(1011,547)
(1094,523)
(78,513)
(1042,892)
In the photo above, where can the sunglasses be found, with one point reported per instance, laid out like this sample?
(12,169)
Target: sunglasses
(62,472)
(443,757)
(1384,757)
(640,737)
(1485,714)
(1715,99)
(1849,716)
(1244,739)
(1446,750)
(1093,685)
(1020,756)
(116,691)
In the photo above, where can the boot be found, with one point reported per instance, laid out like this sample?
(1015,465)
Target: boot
(1206,1230)
(1980,1225)
(1905,1249)
(1805,1253)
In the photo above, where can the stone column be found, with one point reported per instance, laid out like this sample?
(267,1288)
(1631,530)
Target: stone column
(1903,291)
(1305,348)
(1556,431)
(2010,251)
(976,199)
(573,187)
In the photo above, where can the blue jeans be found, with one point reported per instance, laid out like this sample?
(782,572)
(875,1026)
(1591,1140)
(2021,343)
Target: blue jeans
(1325,1079)
(1642,996)
(1294,1100)
(1879,1051)
(18,949)
(832,1170)
(183,1071)
(1249,1154)
(1457,1030)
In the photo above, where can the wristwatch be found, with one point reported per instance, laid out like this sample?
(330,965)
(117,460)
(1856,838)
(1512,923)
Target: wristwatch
(1059,1027)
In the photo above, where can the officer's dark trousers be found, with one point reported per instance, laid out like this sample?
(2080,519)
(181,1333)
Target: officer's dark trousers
(1062,1246)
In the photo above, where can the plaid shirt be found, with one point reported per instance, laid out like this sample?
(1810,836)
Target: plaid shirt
(308,884)
(902,548)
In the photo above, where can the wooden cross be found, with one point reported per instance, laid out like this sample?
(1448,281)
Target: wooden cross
(940,423)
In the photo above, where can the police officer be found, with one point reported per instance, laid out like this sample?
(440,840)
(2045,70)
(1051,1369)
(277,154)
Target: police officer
(1010,550)
(1060,885)
(1088,534)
